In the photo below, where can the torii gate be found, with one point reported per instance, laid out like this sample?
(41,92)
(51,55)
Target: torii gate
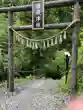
(51,4)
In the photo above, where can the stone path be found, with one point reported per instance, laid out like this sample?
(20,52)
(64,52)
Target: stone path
(38,95)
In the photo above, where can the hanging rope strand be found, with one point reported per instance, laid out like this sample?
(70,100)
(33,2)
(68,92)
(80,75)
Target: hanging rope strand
(33,43)
(70,25)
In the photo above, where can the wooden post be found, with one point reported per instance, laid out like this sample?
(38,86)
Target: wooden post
(76,15)
(10,53)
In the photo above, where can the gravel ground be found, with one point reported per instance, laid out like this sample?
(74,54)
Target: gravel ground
(39,95)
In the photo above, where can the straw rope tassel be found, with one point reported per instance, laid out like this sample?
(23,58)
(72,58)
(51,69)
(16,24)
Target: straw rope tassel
(27,43)
(30,44)
(65,34)
(60,39)
(36,45)
(56,40)
(16,37)
(52,42)
(33,46)
(44,44)
(22,41)
(48,44)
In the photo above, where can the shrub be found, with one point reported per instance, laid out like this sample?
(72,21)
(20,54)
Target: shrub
(51,69)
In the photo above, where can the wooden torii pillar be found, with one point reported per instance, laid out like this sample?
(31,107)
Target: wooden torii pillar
(76,29)
(10,53)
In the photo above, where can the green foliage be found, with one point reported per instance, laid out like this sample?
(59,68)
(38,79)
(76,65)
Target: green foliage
(65,88)
(51,69)
(80,82)
(80,64)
